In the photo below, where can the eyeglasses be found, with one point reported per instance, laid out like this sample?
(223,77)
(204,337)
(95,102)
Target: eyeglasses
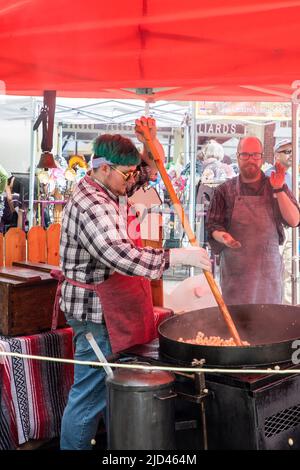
(246,155)
(286,152)
(129,174)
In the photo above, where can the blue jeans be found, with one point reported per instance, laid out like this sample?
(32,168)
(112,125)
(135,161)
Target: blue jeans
(87,397)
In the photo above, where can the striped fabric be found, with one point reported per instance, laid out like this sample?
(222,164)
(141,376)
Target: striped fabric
(33,393)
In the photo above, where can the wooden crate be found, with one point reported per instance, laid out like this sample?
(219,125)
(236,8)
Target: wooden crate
(27,296)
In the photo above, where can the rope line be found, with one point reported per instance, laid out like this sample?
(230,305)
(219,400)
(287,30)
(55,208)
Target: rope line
(143,366)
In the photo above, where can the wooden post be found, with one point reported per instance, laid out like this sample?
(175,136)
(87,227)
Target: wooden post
(53,237)
(15,246)
(36,247)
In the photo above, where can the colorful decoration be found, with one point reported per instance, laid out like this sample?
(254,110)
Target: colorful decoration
(77,168)
(178,180)
(3,179)
(70,174)
(57,173)
(77,161)
(43,177)
(57,184)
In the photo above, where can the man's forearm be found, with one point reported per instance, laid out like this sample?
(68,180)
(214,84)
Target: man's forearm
(289,211)
(148,158)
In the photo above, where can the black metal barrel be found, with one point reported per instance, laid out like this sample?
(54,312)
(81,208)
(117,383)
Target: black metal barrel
(141,412)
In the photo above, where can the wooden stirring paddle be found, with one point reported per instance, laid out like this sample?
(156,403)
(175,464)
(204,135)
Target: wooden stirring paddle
(143,129)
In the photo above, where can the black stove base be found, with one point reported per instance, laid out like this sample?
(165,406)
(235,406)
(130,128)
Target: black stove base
(242,412)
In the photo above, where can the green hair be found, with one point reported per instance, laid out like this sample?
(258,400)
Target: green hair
(116,149)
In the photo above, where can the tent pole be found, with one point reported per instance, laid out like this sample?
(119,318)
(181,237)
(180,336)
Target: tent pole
(60,139)
(193,164)
(192,198)
(32,166)
(186,139)
(295,188)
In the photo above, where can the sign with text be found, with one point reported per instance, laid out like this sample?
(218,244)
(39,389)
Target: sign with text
(242,110)
(221,129)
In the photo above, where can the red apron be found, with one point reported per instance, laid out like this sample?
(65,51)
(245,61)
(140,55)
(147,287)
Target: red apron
(126,304)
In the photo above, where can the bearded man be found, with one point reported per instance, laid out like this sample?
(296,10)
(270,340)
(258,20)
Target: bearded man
(245,224)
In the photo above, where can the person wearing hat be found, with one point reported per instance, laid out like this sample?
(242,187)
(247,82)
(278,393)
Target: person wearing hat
(283,153)
(245,223)
(105,287)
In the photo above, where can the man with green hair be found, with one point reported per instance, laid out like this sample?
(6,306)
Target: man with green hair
(106,289)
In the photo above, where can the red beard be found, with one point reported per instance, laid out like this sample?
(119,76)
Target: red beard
(250,171)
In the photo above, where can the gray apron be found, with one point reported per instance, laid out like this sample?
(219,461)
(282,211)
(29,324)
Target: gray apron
(252,274)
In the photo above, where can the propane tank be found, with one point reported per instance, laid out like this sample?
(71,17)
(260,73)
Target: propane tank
(140,410)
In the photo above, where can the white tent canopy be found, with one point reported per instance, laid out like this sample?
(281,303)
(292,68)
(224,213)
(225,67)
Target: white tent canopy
(95,110)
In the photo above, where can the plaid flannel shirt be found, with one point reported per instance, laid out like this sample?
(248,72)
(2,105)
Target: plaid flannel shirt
(94,244)
(221,207)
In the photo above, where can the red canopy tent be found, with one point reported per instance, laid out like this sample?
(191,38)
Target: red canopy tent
(184,50)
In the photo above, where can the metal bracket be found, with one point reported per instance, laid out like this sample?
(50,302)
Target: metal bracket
(201,390)
(193,398)
(144,91)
